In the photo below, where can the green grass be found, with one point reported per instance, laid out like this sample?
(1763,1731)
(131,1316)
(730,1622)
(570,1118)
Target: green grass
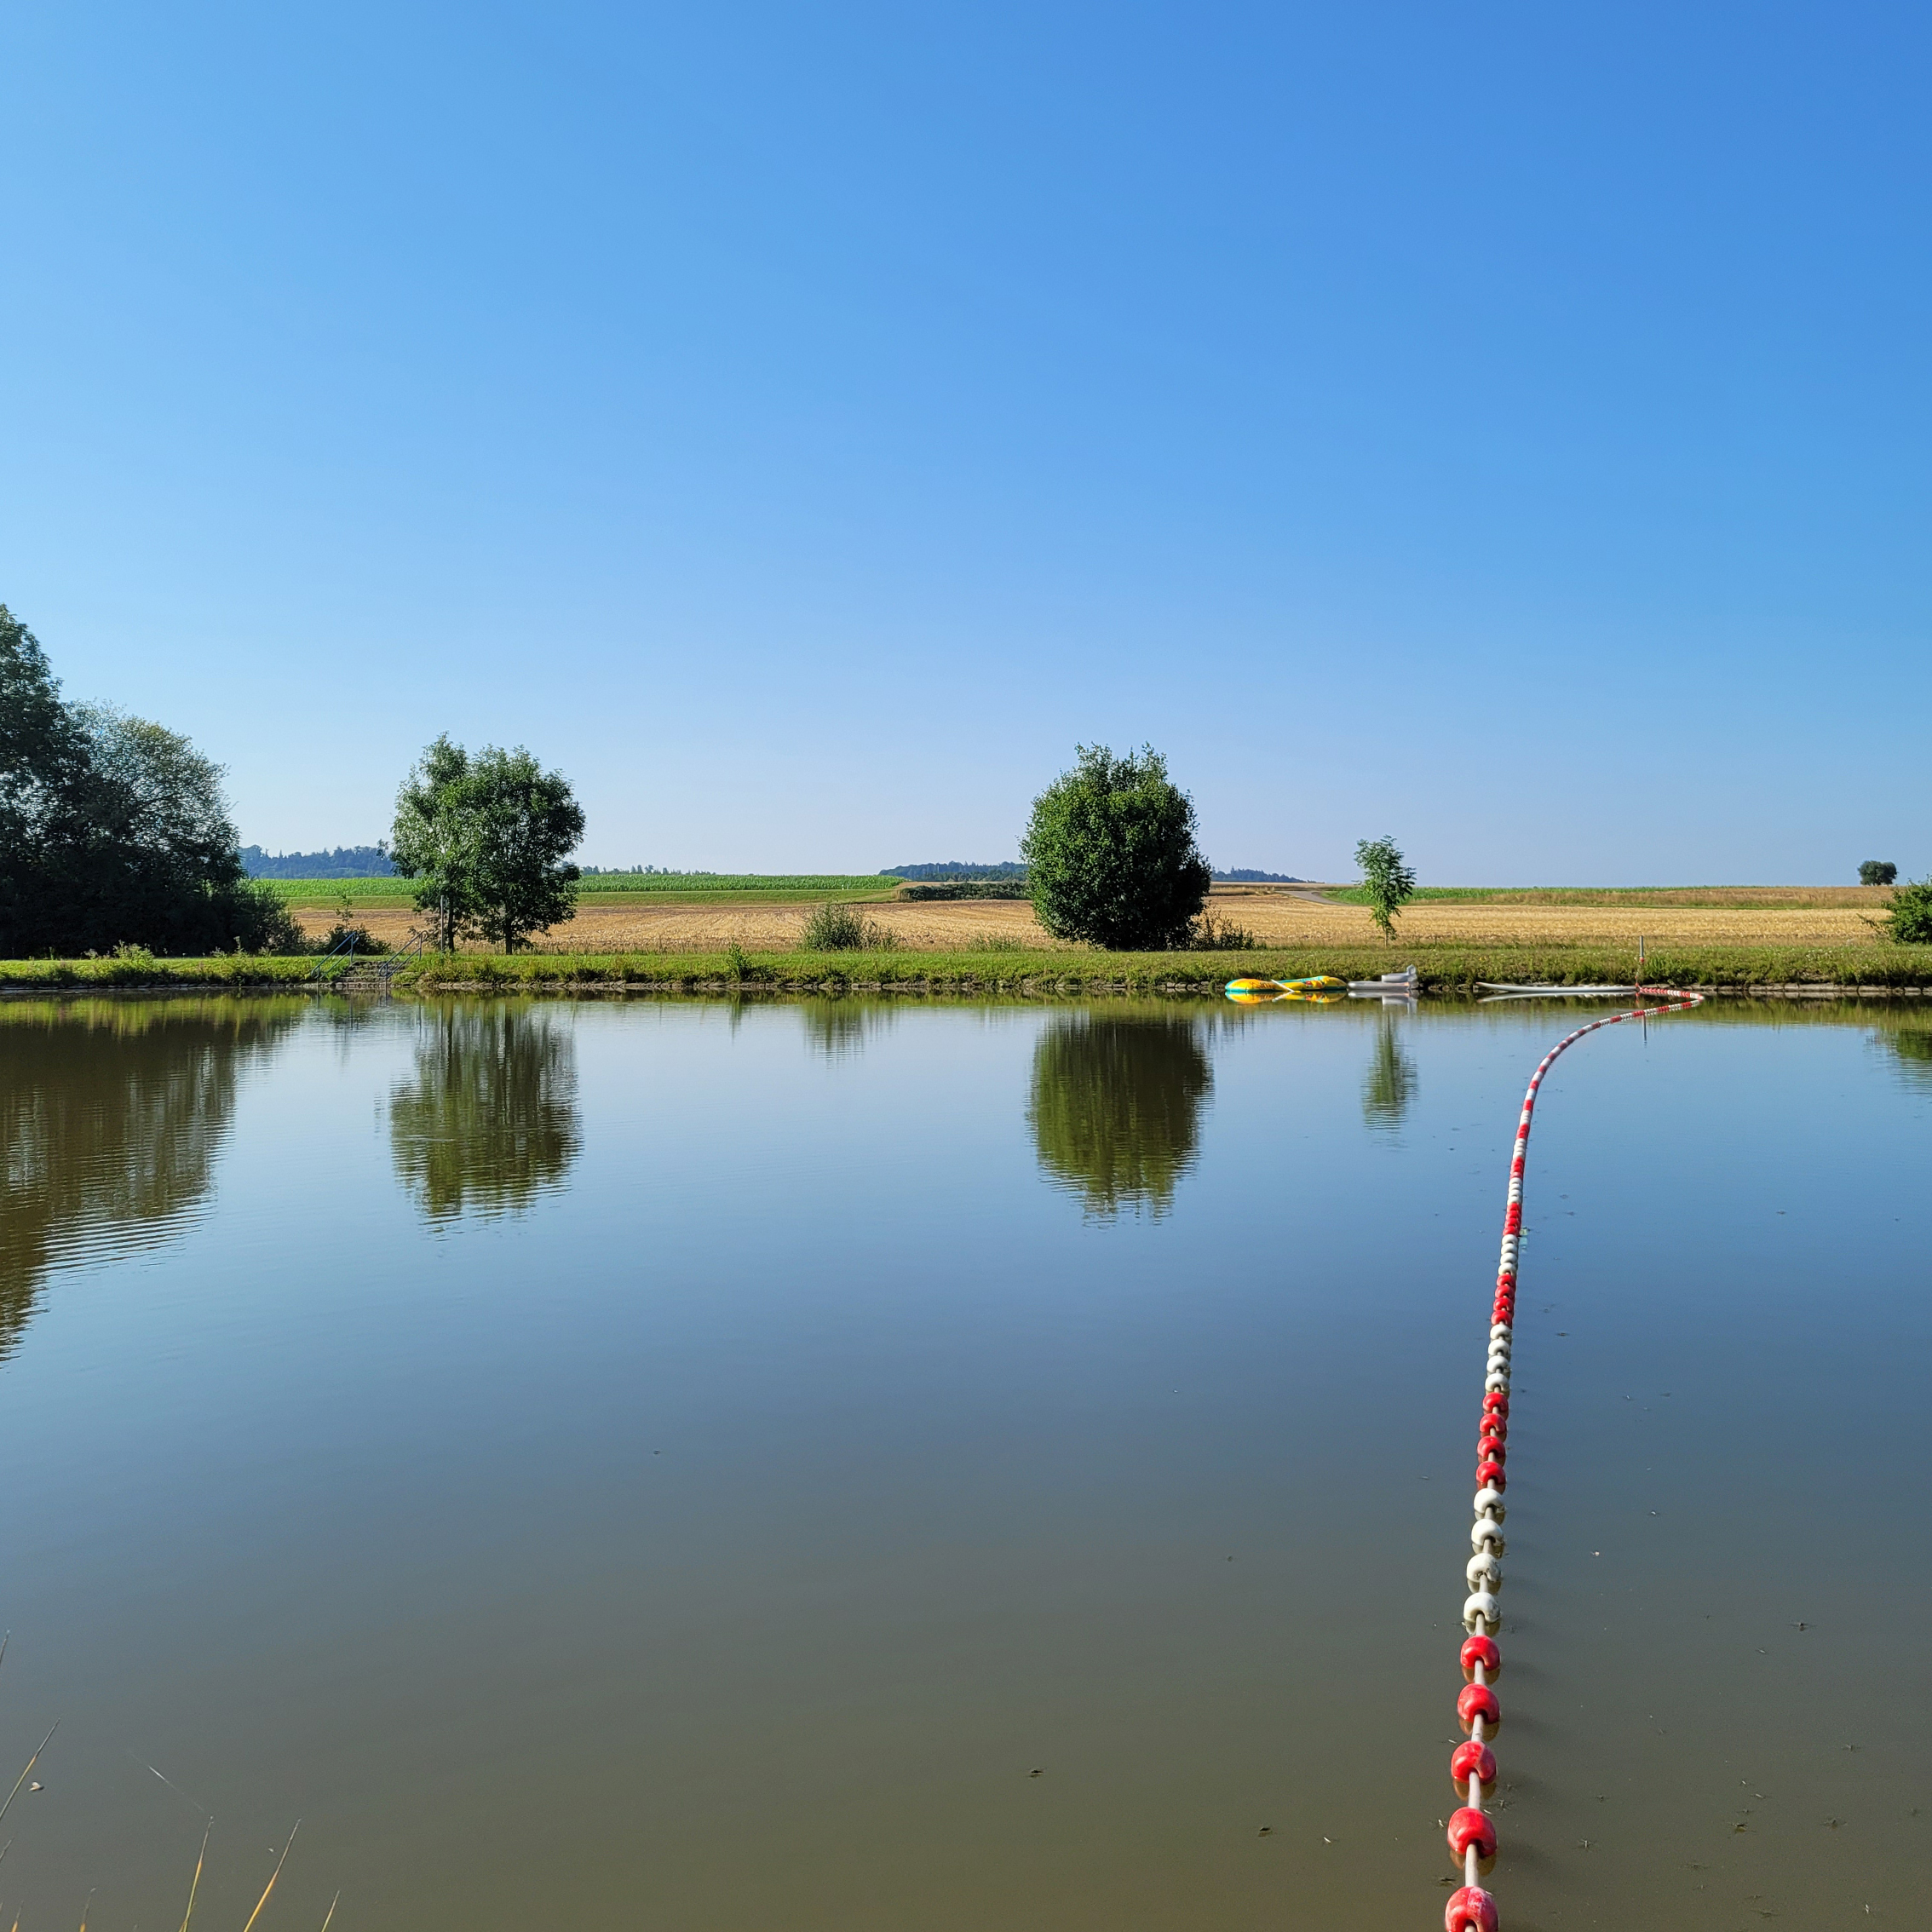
(1579,896)
(1443,967)
(325,892)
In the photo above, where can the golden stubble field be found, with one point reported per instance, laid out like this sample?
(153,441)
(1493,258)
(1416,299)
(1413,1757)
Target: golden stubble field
(1836,917)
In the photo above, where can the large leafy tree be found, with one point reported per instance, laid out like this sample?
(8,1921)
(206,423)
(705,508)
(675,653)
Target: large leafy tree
(488,839)
(1110,854)
(112,829)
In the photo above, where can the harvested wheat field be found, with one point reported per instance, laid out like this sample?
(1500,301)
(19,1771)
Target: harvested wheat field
(1693,917)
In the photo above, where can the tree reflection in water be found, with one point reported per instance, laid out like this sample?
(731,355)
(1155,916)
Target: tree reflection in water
(112,1114)
(1115,1108)
(490,1120)
(1390,1083)
(837,1027)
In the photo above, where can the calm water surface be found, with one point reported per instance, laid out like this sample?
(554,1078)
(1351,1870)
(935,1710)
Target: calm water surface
(870,1466)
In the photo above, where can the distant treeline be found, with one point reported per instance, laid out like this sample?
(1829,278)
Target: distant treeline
(600,885)
(345,862)
(1245,875)
(957,869)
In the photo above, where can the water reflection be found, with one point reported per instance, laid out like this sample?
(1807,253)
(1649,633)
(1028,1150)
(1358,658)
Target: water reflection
(1391,1084)
(112,1114)
(837,1027)
(490,1119)
(1115,1108)
(1913,1046)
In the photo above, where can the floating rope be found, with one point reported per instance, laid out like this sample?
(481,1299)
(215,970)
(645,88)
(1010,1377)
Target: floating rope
(1472,1769)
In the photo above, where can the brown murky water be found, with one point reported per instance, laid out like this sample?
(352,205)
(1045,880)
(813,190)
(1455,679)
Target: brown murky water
(948,1466)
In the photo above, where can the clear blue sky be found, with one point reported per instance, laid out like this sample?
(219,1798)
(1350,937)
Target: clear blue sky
(1504,426)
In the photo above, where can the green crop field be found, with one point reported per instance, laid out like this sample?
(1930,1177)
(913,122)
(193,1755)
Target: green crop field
(795,885)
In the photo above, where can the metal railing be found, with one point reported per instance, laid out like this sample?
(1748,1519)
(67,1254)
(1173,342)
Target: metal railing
(381,966)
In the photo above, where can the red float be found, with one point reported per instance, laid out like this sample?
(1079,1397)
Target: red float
(1485,1651)
(1469,1828)
(1470,1909)
(1479,1700)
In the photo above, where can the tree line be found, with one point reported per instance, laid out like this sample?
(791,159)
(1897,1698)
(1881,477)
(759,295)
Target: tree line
(113,830)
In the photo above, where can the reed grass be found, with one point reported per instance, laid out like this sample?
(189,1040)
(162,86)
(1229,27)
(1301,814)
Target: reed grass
(194,1884)
(272,1877)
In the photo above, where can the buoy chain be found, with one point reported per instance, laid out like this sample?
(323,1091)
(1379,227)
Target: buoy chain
(1472,1767)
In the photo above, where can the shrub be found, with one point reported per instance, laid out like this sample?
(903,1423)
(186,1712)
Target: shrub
(1211,934)
(366,940)
(1110,854)
(1877,872)
(1910,918)
(842,928)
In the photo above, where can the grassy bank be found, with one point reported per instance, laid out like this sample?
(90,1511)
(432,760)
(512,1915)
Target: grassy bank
(1443,967)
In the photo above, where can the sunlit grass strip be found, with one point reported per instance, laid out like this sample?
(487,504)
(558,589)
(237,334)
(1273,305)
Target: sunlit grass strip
(1442,965)
(1664,897)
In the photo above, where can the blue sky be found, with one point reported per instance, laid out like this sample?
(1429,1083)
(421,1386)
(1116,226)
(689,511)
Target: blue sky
(1505,428)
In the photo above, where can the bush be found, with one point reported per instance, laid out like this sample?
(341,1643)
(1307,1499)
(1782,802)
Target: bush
(1212,934)
(842,928)
(1877,872)
(969,888)
(1910,918)
(1111,857)
(366,940)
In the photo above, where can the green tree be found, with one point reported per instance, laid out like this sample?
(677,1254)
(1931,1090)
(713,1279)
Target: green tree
(1877,872)
(1110,854)
(44,762)
(113,828)
(1911,917)
(488,840)
(528,823)
(434,836)
(1386,881)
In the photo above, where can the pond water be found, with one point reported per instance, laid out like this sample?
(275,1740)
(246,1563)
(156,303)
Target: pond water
(943,1465)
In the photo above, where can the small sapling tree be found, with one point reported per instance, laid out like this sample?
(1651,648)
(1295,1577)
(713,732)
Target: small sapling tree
(1386,881)
(1877,872)
(1110,854)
